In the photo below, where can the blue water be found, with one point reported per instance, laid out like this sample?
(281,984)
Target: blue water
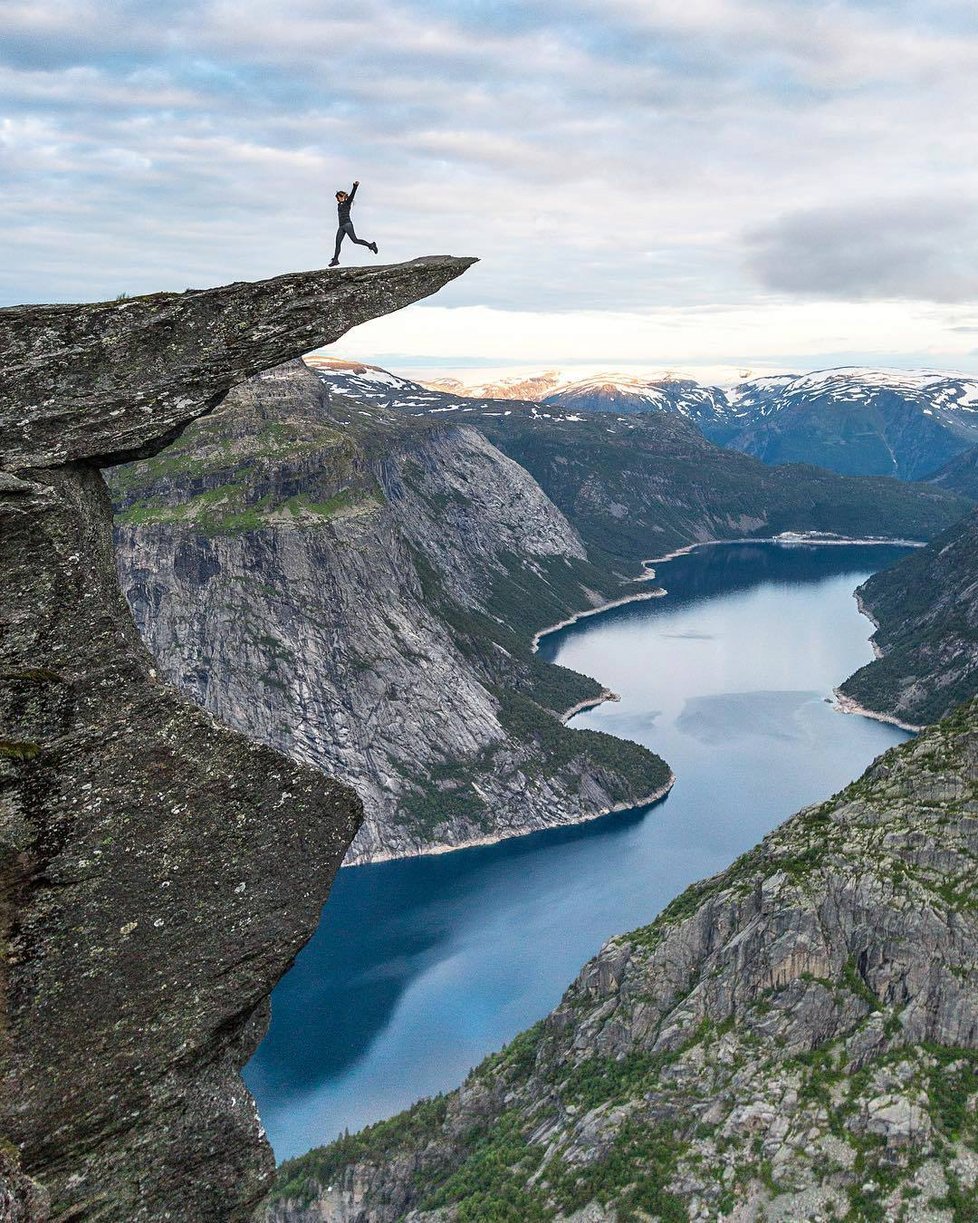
(420,968)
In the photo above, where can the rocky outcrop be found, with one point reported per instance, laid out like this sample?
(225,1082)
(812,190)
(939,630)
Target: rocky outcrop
(360,590)
(794,1039)
(159,871)
(117,379)
(926,613)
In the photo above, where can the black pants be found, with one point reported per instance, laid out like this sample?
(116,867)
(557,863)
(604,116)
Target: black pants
(346,229)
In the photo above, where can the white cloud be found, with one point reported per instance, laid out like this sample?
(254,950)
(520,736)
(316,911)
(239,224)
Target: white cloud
(626,158)
(786,335)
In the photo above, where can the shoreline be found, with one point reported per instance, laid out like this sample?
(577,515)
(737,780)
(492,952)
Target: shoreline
(592,702)
(659,593)
(786,539)
(864,611)
(649,800)
(843,704)
(847,704)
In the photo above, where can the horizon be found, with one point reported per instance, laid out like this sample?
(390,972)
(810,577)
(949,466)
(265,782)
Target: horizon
(723,376)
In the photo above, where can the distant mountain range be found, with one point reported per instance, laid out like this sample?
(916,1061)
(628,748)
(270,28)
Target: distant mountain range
(854,420)
(858,421)
(639,484)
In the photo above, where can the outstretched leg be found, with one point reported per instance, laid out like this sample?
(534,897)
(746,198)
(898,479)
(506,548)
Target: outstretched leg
(359,241)
(336,253)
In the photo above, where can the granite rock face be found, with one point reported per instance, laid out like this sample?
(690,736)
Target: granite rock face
(793,1039)
(359,589)
(159,872)
(117,379)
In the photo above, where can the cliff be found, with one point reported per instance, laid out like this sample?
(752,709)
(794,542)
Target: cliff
(360,590)
(159,872)
(926,612)
(793,1039)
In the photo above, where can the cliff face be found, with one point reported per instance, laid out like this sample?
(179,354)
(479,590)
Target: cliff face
(926,611)
(159,872)
(794,1039)
(359,590)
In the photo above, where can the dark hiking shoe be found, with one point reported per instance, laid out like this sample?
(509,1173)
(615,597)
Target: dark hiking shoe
(373,247)
(334,263)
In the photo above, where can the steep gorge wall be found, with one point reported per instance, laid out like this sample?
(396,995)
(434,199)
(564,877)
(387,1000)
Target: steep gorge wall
(794,1039)
(328,592)
(158,872)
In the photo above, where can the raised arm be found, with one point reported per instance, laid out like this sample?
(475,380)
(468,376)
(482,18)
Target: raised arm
(353,190)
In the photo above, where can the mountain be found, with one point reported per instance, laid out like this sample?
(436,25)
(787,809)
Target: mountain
(926,611)
(641,485)
(858,421)
(854,421)
(706,406)
(960,475)
(370,382)
(159,871)
(321,572)
(621,394)
(531,388)
(795,1038)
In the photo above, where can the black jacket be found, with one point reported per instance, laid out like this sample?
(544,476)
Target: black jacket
(343,206)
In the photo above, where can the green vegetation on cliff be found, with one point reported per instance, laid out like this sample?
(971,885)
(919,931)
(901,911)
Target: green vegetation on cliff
(926,608)
(644,485)
(795,1038)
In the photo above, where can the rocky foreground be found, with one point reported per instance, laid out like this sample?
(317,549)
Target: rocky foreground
(794,1039)
(157,872)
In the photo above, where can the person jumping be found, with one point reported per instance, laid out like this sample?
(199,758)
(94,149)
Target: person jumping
(343,202)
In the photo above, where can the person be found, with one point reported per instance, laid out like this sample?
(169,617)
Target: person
(343,202)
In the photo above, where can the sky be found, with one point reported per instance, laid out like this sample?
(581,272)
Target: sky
(692,184)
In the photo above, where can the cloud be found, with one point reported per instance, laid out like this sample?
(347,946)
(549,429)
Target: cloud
(919,249)
(781,334)
(598,155)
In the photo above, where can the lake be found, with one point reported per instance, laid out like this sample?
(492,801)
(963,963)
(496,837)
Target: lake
(421,967)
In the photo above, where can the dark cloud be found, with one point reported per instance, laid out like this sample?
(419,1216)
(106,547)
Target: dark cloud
(919,249)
